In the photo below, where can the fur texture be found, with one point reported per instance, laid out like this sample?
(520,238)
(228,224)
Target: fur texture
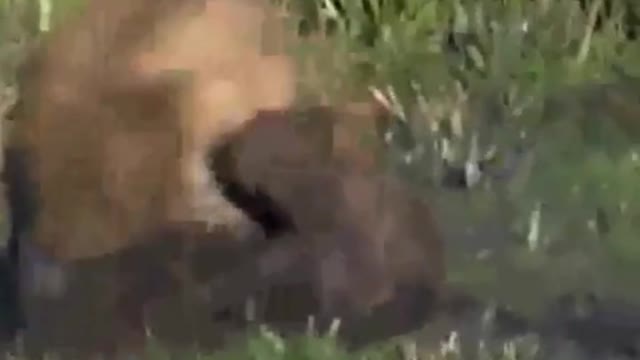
(123,104)
(361,242)
(119,108)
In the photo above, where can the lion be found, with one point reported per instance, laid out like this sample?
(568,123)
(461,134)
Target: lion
(120,106)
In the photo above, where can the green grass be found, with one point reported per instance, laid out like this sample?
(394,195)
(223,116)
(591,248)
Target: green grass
(266,345)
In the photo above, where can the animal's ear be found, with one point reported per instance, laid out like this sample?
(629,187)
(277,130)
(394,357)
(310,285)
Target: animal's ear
(275,85)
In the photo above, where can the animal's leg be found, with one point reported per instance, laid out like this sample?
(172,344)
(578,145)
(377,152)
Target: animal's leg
(20,194)
(67,307)
(271,265)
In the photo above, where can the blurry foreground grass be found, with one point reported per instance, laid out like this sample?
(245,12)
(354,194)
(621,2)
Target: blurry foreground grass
(263,344)
(268,346)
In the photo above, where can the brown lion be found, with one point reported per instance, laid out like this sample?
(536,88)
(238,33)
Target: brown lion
(120,107)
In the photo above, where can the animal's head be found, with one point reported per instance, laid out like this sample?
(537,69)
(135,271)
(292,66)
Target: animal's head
(222,46)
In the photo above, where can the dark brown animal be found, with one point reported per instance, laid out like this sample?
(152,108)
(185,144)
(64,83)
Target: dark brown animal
(364,244)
